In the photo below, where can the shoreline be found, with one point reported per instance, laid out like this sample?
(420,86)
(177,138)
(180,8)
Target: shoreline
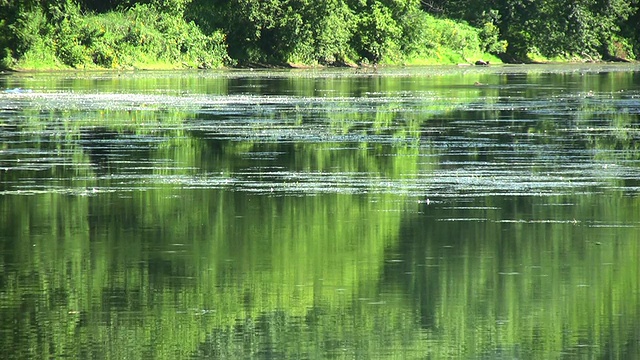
(297,66)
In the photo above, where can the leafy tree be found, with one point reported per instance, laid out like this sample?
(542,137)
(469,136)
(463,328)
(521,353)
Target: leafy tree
(248,24)
(103,6)
(327,31)
(278,31)
(612,16)
(326,28)
(585,28)
(377,33)
(627,43)
(16,17)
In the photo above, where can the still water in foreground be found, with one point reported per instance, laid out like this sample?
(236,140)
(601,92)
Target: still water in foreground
(428,213)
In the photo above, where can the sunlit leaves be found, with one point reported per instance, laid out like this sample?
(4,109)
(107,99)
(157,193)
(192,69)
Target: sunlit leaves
(586,29)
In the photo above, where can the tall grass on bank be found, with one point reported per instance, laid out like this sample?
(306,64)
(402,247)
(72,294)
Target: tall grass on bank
(138,37)
(63,35)
(445,41)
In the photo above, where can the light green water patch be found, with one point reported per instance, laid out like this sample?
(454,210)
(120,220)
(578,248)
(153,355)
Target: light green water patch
(233,259)
(543,267)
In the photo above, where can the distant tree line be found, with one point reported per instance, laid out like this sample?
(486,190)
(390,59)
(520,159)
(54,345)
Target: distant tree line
(589,29)
(216,32)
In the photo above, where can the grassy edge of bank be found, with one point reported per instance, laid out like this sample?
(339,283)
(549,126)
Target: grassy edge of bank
(138,38)
(145,38)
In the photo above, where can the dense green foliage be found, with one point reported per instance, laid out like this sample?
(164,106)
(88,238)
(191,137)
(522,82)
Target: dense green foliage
(586,29)
(210,33)
(65,34)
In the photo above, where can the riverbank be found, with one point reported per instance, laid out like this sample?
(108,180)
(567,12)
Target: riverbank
(193,34)
(147,37)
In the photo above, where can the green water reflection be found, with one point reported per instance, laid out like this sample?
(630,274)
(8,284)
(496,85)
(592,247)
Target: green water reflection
(477,214)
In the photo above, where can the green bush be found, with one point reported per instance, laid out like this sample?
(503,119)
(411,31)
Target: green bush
(141,35)
(490,39)
(377,36)
(29,30)
(155,32)
(332,30)
(620,48)
(456,36)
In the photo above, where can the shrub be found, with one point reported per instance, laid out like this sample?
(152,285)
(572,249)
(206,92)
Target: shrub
(619,48)
(29,30)
(490,39)
(141,34)
(377,34)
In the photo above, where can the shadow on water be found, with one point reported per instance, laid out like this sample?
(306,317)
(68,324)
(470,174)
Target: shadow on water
(103,148)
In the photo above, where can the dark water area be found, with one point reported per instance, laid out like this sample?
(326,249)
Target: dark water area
(421,213)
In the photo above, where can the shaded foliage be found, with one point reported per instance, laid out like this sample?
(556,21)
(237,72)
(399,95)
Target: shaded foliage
(279,31)
(588,29)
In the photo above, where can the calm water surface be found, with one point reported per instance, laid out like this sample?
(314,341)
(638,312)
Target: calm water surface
(427,213)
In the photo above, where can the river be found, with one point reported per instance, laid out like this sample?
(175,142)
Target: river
(425,213)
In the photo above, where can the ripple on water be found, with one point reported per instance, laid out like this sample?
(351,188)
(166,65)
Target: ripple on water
(494,153)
